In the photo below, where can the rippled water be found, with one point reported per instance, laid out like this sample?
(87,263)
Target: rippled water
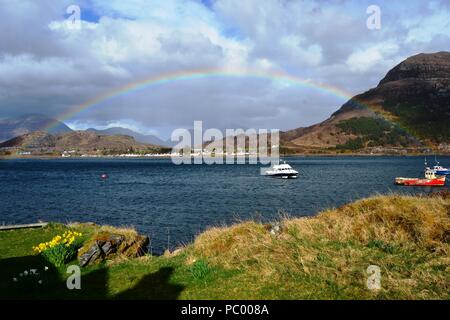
(156,196)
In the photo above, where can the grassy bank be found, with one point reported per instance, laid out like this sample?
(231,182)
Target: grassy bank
(324,257)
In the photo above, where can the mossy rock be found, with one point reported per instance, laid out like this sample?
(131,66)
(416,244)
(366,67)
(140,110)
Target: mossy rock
(106,245)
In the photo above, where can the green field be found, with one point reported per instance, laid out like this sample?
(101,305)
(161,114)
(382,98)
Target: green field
(325,257)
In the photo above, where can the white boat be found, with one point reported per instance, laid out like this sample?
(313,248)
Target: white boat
(440,170)
(282,171)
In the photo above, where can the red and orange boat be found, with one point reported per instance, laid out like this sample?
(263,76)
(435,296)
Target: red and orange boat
(430,180)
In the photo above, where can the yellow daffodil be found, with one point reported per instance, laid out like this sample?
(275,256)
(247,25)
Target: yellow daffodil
(67,238)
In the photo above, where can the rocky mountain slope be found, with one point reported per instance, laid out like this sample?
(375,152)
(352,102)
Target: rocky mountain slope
(75,140)
(409,107)
(11,128)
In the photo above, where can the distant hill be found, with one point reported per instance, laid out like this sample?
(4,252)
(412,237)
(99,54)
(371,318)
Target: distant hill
(75,140)
(149,139)
(34,140)
(10,128)
(31,123)
(409,107)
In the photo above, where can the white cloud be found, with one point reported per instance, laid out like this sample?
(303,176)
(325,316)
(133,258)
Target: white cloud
(365,59)
(426,28)
(309,54)
(122,123)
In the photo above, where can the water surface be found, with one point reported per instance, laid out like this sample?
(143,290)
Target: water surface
(155,195)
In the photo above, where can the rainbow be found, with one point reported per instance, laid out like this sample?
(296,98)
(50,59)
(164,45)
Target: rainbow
(165,78)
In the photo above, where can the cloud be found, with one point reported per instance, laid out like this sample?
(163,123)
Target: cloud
(427,28)
(102,125)
(47,68)
(366,59)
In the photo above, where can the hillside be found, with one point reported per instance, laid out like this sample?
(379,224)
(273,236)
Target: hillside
(14,127)
(31,123)
(142,138)
(409,107)
(321,257)
(75,140)
(90,141)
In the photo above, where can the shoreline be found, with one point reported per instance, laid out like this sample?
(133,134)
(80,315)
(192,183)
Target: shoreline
(307,155)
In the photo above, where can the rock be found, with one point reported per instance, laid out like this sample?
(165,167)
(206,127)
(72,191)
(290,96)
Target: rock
(177,252)
(174,253)
(109,246)
(91,255)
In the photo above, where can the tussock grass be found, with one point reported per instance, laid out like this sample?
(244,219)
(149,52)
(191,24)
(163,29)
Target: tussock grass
(406,236)
(93,229)
(129,233)
(403,220)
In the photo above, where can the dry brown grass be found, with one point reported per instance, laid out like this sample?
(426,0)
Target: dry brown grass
(128,232)
(403,220)
(407,236)
(92,228)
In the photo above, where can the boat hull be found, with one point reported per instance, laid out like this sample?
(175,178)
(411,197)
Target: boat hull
(437,182)
(402,181)
(283,175)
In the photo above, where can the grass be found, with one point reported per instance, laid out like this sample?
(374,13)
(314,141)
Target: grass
(322,257)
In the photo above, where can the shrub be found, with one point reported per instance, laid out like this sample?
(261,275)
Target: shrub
(61,249)
(352,144)
(372,132)
(365,126)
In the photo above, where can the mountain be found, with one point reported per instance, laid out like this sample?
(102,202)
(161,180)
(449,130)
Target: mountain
(149,139)
(409,107)
(15,127)
(90,141)
(33,140)
(10,128)
(75,140)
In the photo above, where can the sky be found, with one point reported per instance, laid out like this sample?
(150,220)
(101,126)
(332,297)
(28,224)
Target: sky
(49,67)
